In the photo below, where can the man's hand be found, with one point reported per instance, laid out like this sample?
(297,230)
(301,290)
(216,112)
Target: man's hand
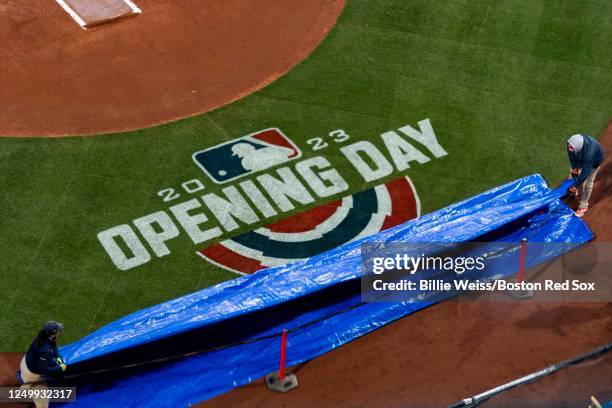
(572,191)
(574,172)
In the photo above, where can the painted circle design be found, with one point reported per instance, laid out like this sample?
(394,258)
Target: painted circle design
(318,230)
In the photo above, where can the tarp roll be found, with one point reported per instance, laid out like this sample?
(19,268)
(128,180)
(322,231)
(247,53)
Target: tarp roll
(318,299)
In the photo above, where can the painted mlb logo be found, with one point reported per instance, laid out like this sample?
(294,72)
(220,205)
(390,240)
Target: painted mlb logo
(246,155)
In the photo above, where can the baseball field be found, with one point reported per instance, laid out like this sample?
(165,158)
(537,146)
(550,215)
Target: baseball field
(129,176)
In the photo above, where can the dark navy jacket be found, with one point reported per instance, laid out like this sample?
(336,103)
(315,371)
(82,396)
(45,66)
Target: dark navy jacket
(43,360)
(588,158)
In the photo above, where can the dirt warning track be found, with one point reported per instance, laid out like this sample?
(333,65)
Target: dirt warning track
(438,356)
(176,59)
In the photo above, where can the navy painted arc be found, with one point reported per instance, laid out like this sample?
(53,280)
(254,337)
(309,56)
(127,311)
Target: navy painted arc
(365,204)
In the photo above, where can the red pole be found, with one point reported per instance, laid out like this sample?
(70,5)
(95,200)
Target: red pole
(283,355)
(522,260)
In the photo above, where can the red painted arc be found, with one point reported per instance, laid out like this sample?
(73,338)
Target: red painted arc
(231,259)
(402,198)
(307,220)
(403,201)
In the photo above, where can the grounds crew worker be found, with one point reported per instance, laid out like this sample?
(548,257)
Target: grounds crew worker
(42,360)
(585,156)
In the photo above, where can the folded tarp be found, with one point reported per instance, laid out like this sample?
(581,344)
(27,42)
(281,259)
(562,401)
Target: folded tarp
(318,299)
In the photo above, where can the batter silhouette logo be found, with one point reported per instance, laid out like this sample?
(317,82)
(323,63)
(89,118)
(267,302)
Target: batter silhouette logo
(248,154)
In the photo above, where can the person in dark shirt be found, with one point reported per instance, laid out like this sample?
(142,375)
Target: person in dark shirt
(586,156)
(42,360)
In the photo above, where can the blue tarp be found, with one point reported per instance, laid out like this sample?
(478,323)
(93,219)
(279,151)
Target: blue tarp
(315,298)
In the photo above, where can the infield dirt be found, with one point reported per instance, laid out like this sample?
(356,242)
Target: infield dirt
(62,80)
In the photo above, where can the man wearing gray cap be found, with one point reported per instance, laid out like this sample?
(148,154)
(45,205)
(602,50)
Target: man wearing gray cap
(42,360)
(585,156)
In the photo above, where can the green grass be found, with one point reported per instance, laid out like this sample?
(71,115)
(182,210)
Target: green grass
(503,82)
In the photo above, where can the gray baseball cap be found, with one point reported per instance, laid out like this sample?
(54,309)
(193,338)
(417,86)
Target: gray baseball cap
(576,141)
(52,327)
